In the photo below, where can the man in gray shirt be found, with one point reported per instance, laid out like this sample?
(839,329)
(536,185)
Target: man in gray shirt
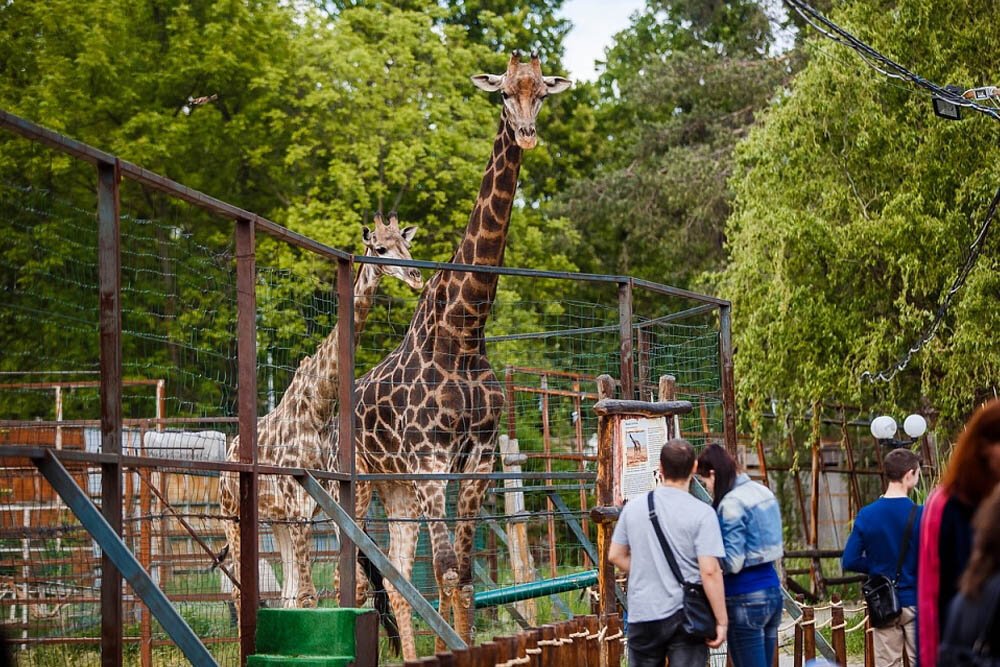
(655,597)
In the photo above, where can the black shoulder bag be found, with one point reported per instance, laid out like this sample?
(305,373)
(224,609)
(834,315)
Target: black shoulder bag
(699,621)
(880,592)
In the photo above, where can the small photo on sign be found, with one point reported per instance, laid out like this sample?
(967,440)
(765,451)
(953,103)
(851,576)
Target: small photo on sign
(636,451)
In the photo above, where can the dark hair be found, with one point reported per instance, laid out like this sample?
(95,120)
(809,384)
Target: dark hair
(985,558)
(898,462)
(677,459)
(714,458)
(969,475)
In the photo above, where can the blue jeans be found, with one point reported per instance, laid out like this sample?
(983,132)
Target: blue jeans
(753,627)
(650,642)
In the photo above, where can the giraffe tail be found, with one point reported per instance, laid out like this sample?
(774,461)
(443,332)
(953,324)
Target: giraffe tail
(385,614)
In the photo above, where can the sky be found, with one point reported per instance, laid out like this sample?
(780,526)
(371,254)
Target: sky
(595,22)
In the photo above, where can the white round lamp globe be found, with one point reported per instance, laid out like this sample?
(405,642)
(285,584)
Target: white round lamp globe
(883,427)
(915,426)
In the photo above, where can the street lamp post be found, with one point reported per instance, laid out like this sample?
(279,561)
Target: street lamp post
(884,430)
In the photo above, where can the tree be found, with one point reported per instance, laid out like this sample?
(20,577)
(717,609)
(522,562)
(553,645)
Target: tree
(679,89)
(855,207)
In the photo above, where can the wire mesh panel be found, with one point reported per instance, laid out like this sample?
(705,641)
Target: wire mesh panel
(499,407)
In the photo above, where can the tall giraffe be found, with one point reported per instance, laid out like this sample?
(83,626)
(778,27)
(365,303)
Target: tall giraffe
(433,404)
(295,433)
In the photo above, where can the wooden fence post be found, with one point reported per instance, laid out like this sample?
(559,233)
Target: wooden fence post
(837,630)
(797,650)
(869,644)
(808,622)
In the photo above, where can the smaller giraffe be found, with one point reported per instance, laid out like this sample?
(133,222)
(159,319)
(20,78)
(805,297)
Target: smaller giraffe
(295,433)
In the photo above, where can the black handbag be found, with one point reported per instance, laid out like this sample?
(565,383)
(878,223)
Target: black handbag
(879,590)
(699,621)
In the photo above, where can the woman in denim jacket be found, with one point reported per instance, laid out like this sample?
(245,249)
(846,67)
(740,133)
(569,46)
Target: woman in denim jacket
(751,533)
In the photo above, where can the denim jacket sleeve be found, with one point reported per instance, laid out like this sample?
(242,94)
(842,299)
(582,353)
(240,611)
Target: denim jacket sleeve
(733,521)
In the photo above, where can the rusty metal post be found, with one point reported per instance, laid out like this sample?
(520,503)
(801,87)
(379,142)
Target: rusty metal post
(547,450)
(625,338)
(728,383)
(109,270)
(578,435)
(345,423)
(246,352)
(145,557)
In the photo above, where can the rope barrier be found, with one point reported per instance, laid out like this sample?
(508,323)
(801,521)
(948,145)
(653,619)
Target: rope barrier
(853,628)
(514,661)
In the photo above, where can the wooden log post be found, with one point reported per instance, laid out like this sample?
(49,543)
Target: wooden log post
(808,622)
(593,650)
(548,654)
(869,644)
(521,561)
(837,630)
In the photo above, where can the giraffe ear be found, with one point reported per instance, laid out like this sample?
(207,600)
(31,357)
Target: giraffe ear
(556,84)
(488,82)
(408,233)
(366,234)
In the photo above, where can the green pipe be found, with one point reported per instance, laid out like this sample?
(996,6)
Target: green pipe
(535,589)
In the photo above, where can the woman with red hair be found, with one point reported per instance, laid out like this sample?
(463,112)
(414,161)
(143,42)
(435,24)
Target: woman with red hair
(946,530)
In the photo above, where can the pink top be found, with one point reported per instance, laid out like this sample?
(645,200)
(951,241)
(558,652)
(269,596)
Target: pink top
(929,577)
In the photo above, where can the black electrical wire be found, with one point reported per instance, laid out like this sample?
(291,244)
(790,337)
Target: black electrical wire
(970,260)
(889,67)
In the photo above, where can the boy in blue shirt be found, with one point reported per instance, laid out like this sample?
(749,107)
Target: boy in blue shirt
(874,548)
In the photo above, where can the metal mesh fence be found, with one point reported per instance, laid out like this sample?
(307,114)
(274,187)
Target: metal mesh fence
(547,339)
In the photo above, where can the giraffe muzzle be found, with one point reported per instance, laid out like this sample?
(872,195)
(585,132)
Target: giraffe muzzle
(526,137)
(414,279)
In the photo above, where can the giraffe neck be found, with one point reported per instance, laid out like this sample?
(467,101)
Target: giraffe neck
(462,301)
(314,387)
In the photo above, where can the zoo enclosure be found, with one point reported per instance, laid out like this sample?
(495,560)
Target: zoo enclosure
(632,348)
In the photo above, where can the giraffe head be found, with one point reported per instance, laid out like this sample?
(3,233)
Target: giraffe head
(523,88)
(388,240)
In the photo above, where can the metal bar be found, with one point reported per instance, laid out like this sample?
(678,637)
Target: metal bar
(484,576)
(109,270)
(246,352)
(675,291)
(680,315)
(728,384)
(114,549)
(187,527)
(349,528)
(625,339)
(535,589)
(584,541)
(345,424)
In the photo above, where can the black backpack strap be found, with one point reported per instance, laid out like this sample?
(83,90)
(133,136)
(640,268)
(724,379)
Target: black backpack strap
(667,551)
(906,543)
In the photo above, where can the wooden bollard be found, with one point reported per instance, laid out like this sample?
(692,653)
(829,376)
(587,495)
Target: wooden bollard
(531,649)
(578,649)
(412,663)
(489,654)
(808,633)
(797,650)
(463,657)
(593,651)
(430,661)
(838,630)
(445,659)
(548,651)
(503,649)
(869,643)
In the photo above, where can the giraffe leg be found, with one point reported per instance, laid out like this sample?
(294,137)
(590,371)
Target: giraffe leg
(402,550)
(470,499)
(362,500)
(432,496)
(301,539)
(230,507)
(289,585)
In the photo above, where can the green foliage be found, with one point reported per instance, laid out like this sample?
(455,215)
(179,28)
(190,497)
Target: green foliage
(680,87)
(854,210)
